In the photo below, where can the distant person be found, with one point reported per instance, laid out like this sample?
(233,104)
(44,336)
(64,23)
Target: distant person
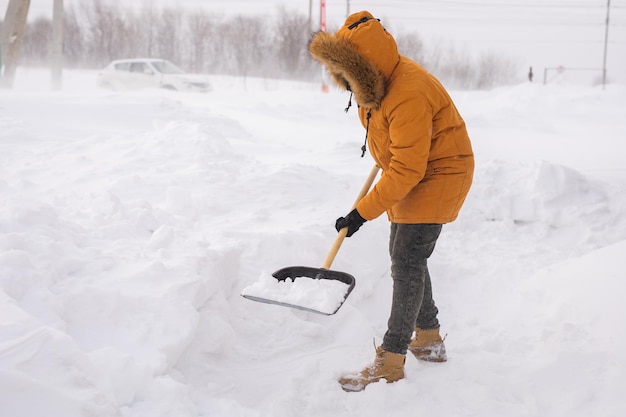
(416,135)
(530,74)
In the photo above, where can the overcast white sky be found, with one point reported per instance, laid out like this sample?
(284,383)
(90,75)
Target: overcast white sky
(541,33)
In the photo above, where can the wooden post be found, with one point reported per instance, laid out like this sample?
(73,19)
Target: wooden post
(57,45)
(311,16)
(11,39)
(606,42)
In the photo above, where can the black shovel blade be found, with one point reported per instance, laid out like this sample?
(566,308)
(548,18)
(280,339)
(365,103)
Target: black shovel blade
(339,292)
(294,272)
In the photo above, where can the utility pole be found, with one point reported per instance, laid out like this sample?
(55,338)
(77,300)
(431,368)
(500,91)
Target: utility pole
(606,43)
(57,45)
(311,16)
(11,39)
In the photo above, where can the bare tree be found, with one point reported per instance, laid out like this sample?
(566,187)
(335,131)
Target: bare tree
(130,39)
(56,61)
(147,32)
(98,32)
(291,40)
(201,32)
(74,43)
(104,26)
(169,34)
(411,46)
(219,57)
(493,70)
(461,68)
(36,45)
(248,42)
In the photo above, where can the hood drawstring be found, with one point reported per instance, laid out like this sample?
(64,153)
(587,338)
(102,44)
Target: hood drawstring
(367,129)
(349,103)
(367,126)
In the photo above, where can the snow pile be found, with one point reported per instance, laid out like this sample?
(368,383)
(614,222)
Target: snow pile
(131,222)
(537,192)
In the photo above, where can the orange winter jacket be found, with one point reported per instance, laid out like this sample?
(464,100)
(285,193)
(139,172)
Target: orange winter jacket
(414,131)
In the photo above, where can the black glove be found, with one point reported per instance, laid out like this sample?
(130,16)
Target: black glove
(353,221)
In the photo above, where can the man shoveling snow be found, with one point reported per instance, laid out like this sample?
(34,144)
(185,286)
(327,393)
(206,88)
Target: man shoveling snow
(416,135)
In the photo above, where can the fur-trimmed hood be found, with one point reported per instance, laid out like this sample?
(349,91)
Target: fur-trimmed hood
(413,130)
(360,57)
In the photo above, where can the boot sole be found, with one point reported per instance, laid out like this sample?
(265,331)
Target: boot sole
(349,387)
(429,355)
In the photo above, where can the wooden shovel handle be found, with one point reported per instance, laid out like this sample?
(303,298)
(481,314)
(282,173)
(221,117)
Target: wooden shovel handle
(343,232)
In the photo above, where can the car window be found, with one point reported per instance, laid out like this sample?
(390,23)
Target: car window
(122,66)
(166,67)
(140,67)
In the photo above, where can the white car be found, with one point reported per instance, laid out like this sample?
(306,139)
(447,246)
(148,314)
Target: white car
(134,74)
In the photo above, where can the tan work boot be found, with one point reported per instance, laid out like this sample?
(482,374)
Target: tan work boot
(387,365)
(427,345)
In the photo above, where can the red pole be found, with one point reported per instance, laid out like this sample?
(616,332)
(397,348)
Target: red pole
(323,29)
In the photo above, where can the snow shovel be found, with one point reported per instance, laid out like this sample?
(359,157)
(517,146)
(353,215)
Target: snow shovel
(325,291)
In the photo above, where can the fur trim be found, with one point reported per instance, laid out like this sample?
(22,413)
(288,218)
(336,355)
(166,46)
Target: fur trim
(348,69)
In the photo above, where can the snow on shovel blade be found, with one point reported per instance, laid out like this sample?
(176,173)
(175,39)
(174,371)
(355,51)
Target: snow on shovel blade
(324,292)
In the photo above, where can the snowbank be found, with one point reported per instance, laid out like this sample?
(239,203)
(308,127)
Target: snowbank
(130,223)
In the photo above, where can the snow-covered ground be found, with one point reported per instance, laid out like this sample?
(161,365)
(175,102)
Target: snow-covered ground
(130,223)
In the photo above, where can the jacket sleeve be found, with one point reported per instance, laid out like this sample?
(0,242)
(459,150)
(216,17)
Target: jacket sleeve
(410,131)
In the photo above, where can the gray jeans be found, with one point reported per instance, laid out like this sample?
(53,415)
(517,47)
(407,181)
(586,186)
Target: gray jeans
(410,245)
